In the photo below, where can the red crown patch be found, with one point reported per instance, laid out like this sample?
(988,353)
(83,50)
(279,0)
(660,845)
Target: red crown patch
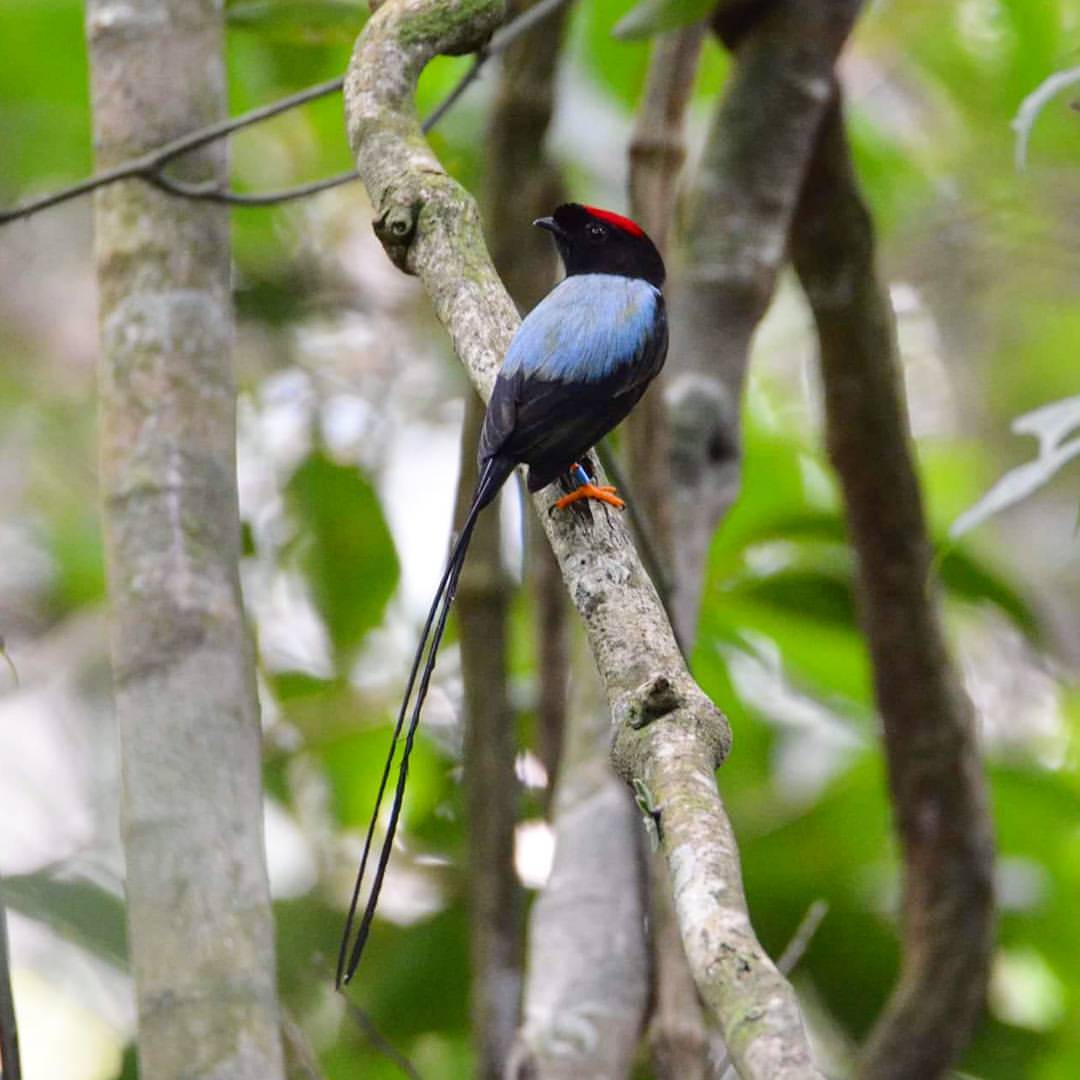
(620,222)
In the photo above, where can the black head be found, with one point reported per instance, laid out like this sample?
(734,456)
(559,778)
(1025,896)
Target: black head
(593,241)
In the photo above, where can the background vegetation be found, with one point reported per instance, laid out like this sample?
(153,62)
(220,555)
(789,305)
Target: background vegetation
(350,407)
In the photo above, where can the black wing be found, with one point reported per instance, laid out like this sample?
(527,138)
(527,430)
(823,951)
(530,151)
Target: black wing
(548,423)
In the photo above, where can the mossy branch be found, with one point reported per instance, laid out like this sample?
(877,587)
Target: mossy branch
(430,227)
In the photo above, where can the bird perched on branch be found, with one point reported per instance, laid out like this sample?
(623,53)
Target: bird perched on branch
(580,361)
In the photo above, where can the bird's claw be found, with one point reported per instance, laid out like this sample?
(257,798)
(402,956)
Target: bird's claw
(604,493)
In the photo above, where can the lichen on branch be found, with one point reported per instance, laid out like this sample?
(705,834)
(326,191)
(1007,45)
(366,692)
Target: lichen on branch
(433,230)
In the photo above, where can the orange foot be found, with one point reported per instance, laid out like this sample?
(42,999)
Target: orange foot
(605,493)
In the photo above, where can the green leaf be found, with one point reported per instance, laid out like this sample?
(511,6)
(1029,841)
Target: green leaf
(618,67)
(75,541)
(77,909)
(968,578)
(43,81)
(655,16)
(345,548)
(310,22)
(811,593)
(354,763)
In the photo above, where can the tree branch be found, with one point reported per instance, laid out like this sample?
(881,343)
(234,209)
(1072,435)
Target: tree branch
(586,982)
(1034,104)
(586,986)
(937,786)
(153,161)
(669,735)
(739,210)
(657,151)
(151,165)
(787,961)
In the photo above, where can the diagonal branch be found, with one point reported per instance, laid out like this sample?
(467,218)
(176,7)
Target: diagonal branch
(938,790)
(669,736)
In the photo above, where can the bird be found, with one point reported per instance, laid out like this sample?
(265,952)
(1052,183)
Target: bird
(579,362)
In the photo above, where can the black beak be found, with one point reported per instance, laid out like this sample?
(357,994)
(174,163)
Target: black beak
(551,226)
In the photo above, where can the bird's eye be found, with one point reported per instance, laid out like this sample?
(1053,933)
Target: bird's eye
(595,232)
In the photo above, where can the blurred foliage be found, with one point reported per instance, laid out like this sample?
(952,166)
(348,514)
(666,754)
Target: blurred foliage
(344,548)
(656,16)
(989,261)
(308,22)
(1055,426)
(78,909)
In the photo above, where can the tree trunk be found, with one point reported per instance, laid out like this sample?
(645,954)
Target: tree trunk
(199,916)
(928,724)
(495,901)
(586,980)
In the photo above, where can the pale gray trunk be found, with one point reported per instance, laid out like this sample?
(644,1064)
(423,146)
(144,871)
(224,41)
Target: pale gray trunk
(587,975)
(199,916)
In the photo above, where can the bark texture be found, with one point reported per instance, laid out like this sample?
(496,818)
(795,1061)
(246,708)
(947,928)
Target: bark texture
(739,212)
(586,986)
(937,786)
(668,734)
(200,923)
(491,791)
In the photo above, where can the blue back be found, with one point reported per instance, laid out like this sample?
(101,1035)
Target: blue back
(586,328)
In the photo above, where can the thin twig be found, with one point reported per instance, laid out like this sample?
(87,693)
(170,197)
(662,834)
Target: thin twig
(215,194)
(150,166)
(431,226)
(451,99)
(299,1057)
(154,160)
(379,1041)
(522,24)
(9,1032)
(804,934)
(1033,104)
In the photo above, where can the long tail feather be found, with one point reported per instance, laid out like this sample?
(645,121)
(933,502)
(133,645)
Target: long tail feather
(490,481)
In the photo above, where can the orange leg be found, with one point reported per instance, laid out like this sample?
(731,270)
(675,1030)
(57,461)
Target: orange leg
(604,493)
